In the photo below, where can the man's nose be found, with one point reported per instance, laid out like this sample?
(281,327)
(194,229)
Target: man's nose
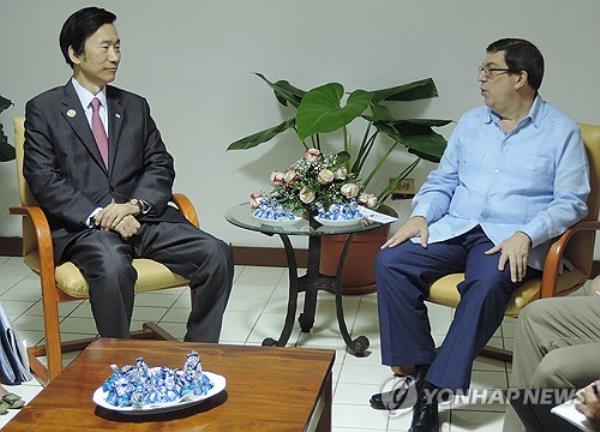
(113,55)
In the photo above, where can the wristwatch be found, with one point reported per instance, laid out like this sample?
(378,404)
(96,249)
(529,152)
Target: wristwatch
(138,203)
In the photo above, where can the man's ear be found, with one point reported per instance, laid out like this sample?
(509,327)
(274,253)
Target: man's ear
(522,80)
(73,56)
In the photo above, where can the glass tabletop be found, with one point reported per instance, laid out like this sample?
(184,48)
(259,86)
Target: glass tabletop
(241,216)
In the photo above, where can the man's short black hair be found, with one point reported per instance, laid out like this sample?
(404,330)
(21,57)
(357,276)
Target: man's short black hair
(521,55)
(80,26)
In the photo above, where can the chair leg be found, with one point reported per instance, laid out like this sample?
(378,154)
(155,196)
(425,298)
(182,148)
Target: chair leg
(150,330)
(158,331)
(497,353)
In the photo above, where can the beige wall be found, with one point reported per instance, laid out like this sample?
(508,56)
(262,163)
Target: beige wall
(194,60)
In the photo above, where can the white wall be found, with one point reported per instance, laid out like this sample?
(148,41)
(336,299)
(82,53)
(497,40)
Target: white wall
(194,60)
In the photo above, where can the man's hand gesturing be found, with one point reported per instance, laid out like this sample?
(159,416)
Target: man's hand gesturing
(415,226)
(515,250)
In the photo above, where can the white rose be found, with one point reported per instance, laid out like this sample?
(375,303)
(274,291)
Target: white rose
(255,199)
(307,195)
(349,190)
(368,199)
(276,178)
(326,176)
(312,155)
(341,173)
(290,177)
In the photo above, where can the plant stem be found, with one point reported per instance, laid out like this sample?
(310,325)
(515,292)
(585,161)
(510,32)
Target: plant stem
(367,151)
(347,146)
(380,162)
(302,141)
(318,142)
(361,150)
(395,182)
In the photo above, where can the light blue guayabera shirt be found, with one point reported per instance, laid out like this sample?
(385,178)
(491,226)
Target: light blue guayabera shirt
(533,179)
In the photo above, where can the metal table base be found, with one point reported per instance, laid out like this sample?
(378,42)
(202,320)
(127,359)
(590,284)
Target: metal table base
(310,284)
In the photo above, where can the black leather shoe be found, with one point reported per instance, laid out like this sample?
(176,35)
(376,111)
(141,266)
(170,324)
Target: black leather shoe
(398,397)
(402,395)
(425,413)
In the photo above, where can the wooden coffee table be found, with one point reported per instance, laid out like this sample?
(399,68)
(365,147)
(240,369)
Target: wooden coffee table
(268,389)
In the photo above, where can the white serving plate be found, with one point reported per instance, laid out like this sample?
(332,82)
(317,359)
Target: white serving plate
(339,223)
(278,222)
(219,382)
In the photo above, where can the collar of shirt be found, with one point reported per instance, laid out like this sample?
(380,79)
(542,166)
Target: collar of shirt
(534,115)
(85,97)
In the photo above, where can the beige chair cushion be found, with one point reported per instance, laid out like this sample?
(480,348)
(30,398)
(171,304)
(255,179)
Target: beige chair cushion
(152,276)
(444,290)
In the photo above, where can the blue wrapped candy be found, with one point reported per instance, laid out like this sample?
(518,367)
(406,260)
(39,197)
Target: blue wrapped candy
(272,210)
(340,212)
(142,387)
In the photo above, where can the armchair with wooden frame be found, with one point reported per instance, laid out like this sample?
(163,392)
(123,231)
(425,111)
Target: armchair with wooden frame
(65,282)
(576,244)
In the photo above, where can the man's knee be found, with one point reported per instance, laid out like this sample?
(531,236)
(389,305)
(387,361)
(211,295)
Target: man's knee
(218,253)
(552,372)
(491,284)
(116,266)
(391,258)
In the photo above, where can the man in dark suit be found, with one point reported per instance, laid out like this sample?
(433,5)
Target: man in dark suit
(96,163)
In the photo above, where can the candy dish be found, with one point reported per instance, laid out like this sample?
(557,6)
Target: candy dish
(188,400)
(339,222)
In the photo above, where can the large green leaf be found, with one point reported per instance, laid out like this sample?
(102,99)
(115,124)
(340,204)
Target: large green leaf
(378,113)
(342,158)
(320,109)
(261,137)
(7,152)
(4,103)
(422,89)
(417,136)
(284,91)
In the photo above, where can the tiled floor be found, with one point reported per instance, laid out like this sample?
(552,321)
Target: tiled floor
(256,310)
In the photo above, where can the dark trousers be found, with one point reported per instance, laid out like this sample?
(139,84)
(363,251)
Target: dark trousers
(537,417)
(403,275)
(105,261)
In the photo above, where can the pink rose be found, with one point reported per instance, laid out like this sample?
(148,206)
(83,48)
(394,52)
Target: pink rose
(341,173)
(290,177)
(370,200)
(325,176)
(255,199)
(312,155)
(276,178)
(307,195)
(349,190)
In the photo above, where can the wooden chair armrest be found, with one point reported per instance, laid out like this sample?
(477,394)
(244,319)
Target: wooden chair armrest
(42,234)
(555,253)
(186,208)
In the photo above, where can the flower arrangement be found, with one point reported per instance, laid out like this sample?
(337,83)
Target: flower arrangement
(314,184)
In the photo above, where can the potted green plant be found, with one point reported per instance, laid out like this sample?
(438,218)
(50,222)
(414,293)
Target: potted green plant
(7,151)
(320,111)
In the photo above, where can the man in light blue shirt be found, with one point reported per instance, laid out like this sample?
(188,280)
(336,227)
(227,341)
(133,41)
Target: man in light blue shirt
(513,176)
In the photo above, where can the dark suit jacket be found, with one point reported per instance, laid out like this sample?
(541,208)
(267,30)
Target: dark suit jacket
(64,169)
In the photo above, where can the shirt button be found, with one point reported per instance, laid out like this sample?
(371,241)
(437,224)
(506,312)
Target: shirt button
(496,171)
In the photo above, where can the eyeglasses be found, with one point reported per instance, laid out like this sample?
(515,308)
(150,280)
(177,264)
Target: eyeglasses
(489,72)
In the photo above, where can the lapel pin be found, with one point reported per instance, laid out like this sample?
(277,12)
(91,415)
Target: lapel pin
(71,113)
(117,115)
